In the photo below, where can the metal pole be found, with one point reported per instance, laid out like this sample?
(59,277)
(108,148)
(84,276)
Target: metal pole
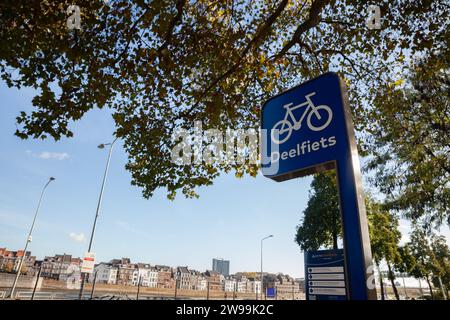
(19,270)
(261,287)
(100,198)
(262,275)
(207,290)
(93,285)
(139,287)
(37,281)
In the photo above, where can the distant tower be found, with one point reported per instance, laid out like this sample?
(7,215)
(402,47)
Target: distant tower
(221,266)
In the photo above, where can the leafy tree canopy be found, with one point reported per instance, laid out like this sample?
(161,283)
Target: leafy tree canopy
(429,257)
(321,223)
(162,64)
(384,233)
(410,141)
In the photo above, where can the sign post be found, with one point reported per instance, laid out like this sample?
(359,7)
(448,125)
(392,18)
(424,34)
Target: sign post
(309,129)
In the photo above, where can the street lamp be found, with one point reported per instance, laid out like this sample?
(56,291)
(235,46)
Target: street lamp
(11,295)
(100,198)
(262,275)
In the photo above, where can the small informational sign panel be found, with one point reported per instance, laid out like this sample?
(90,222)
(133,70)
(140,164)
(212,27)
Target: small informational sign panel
(88,262)
(325,275)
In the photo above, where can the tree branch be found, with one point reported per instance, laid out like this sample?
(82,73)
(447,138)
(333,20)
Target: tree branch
(130,31)
(257,36)
(419,140)
(312,21)
(345,23)
(314,54)
(175,20)
(346,58)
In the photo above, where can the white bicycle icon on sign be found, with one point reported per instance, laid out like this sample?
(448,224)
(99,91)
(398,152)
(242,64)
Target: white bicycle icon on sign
(285,126)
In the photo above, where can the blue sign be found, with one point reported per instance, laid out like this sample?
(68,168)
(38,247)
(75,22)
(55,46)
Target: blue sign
(270,292)
(325,275)
(310,123)
(308,129)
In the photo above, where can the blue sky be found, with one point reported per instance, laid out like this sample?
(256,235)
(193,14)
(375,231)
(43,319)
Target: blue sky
(227,221)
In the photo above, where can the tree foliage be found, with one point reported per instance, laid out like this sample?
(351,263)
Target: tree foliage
(321,223)
(9,267)
(160,65)
(441,267)
(429,257)
(384,238)
(383,231)
(407,262)
(410,141)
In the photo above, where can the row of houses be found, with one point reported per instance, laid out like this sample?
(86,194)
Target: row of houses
(125,273)
(122,272)
(58,267)
(158,276)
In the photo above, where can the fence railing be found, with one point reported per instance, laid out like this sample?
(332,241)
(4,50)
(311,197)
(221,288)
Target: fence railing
(39,295)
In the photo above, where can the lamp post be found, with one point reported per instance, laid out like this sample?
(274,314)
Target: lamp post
(100,198)
(262,275)
(11,295)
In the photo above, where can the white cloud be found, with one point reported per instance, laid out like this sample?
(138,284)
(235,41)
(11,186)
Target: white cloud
(77,237)
(47,155)
(53,155)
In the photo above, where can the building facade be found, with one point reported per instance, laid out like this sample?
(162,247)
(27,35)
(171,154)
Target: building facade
(104,273)
(230,284)
(125,274)
(146,274)
(241,283)
(202,283)
(10,260)
(183,277)
(214,280)
(57,267)
(165,278)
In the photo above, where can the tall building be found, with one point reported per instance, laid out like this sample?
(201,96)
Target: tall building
(221,266)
